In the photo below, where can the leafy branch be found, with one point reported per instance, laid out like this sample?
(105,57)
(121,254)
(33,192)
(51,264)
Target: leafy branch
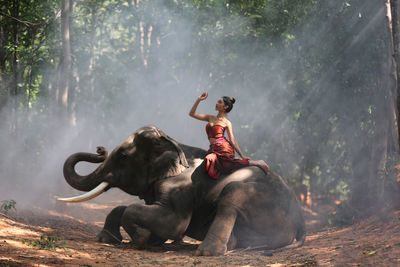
(26,23)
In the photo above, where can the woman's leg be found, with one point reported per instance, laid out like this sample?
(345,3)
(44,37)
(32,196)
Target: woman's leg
(260,163)
(213,168)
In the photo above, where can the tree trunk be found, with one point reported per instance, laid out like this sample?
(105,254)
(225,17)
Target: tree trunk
(385,118)
(74,74)
(3,54)
(93,39)
(395,24)
(2,50)
(65,70)
(30,73)
(145,36)
(395,103)
(369,184)
(394,107)
(307,192)
(379,154)
(15,69)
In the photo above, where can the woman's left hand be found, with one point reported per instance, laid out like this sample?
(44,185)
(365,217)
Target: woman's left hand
(203,96)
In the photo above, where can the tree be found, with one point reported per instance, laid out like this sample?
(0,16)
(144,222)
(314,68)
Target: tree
(65,90)
(394,24)
(15,65)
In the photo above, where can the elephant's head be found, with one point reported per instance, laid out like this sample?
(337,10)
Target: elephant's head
(145,157)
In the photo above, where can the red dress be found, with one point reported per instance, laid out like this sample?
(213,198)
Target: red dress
(221,157)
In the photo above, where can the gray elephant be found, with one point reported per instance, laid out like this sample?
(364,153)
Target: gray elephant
(243,209)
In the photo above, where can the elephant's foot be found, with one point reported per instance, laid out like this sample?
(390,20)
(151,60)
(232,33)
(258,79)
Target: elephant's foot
(216,247)
(148,240)
(211,248)
(110,233)
(141,242)
(106,236)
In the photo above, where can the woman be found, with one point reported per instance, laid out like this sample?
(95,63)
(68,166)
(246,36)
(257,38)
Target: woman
(221,157)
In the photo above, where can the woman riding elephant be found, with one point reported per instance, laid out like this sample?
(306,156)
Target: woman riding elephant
(245,208)
(221,158)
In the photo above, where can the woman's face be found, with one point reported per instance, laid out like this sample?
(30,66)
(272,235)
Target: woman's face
(220,106)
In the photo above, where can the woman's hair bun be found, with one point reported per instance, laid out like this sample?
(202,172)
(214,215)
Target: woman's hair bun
(229,101)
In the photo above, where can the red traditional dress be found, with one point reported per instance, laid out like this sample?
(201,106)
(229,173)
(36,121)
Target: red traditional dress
(221,157)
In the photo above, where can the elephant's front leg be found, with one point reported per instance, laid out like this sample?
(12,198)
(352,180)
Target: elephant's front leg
(110,233)
(160,221)
(230,202)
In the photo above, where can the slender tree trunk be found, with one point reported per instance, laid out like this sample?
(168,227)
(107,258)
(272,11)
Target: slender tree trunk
(74,73)
(3,78)
(15,69)
(93,39)
(145,36)
(2,50)
(65,70)
(30,75)
(379,154)
(395,103)
(304,168)
(394,96)
(395,31)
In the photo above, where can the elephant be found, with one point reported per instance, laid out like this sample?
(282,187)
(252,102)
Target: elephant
(245,208)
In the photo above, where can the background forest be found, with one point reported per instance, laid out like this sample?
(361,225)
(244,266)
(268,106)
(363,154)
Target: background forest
(315,83)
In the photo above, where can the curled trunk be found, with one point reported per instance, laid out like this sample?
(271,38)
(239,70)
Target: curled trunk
(84,182)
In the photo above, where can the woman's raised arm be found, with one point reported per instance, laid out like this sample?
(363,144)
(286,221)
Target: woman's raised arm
(194,114)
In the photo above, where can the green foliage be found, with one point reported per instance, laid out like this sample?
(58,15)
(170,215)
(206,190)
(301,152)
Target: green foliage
(7,205)
(46,242)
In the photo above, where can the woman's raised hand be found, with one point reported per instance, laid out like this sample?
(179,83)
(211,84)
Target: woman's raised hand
(203,96)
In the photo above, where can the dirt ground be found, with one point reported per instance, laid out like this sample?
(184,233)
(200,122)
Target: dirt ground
(66,235)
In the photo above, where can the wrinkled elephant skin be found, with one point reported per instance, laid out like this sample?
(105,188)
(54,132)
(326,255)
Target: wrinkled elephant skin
(243,209)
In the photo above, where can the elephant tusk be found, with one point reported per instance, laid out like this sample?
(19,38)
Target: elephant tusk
(87,196)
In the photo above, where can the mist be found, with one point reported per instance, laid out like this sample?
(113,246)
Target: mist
(265,117)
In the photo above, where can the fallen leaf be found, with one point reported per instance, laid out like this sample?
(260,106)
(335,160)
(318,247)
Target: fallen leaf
(372,252)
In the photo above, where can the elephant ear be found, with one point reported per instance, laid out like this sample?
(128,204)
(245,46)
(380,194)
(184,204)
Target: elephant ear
(168,162)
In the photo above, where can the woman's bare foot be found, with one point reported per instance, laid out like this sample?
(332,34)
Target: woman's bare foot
(261,164)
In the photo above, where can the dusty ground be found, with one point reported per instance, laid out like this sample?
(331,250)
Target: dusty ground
(46,237)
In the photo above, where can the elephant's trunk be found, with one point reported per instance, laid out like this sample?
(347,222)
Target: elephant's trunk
(84,182)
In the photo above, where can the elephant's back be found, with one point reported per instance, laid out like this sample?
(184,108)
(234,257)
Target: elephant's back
(270,197)
(249,174)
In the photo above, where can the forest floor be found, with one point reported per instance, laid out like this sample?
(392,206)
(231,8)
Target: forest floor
(66,235)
